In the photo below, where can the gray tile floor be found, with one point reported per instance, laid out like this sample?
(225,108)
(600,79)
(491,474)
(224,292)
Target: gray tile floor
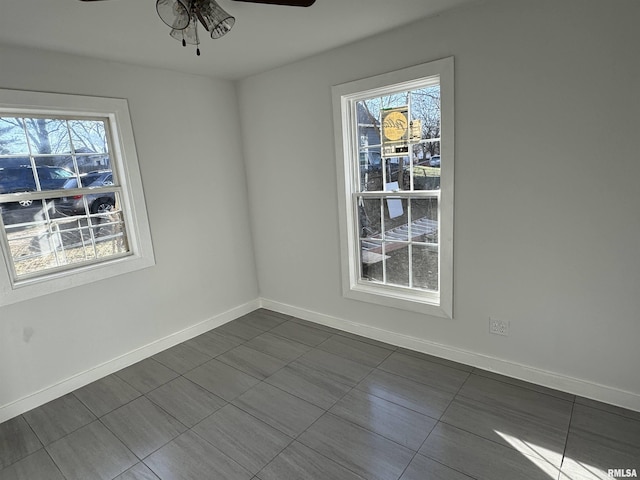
(271,397)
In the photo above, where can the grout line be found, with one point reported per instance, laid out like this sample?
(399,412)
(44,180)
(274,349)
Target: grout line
(52,461)
(95,417)
(391,401)
(430,385)
(524,387)
(223,453)
(439,420)
(610,412)
(449,467)
(566,439)
(320,453)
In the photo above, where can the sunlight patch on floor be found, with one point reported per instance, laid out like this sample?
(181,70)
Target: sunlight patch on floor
(575,470)
(547,460)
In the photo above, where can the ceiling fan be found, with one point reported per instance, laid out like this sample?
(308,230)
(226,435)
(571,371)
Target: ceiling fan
(183,17)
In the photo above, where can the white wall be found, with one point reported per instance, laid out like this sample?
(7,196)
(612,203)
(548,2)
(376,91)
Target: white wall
(547,229)
(187,135)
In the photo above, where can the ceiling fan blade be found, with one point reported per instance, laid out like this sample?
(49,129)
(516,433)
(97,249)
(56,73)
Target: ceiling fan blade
(289,3)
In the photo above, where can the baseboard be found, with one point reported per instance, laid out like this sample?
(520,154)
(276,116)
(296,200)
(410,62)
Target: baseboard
(81,379)
(574,386)
(545,378)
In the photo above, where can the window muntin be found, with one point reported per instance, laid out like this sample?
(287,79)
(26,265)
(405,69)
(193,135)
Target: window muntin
(70,162)
(394,144)
(66,228)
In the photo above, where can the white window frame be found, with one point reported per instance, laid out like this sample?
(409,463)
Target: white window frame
(345,97)
(115,113)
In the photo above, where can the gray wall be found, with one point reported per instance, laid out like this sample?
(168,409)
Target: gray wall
(546,208)
(188,142)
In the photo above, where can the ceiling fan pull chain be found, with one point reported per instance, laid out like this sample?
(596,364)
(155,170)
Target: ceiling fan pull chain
(197,37)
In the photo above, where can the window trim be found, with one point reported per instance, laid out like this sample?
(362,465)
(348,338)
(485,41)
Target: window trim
(344,97)
(116,114)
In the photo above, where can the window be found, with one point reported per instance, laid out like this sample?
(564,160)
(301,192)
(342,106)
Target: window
(71,200)
(394,149)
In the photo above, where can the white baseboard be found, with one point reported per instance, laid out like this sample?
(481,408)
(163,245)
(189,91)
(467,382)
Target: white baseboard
(574,386)
(545,378)
(81,379)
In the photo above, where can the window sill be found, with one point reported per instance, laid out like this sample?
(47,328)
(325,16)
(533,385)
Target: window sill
(427,303)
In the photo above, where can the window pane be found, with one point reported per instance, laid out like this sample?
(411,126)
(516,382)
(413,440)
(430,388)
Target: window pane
(370,169)
(371,260)
(397,263)
(93,162)
(26,211)
(32,249)
(424,227)
(48,136)
(95,203)
(393,101)
(396,218)
(13,138)
(34,241)
(425,110)
(425,266)
(397,173)
(15,177)
(96,178)
(368,123)
(424,151)
(110,234)
(426,178)
(432,153)
(102,203)
(88,136)
(53,172)
(369,222)
(426,167)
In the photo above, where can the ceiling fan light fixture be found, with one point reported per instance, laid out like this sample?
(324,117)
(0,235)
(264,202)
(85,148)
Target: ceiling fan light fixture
(174,13)
(213,18)
(183,16)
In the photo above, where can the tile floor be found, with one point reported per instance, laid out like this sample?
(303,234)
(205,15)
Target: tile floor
(272,397)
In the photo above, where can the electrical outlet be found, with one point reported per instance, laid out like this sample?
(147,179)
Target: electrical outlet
(498,327)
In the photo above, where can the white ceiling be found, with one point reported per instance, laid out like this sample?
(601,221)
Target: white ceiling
(264,36)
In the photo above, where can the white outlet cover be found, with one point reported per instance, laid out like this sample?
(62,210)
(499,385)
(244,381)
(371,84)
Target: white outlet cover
(499,327)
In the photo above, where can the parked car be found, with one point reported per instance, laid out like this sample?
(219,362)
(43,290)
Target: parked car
(434,161)
(21,179)
(97,202)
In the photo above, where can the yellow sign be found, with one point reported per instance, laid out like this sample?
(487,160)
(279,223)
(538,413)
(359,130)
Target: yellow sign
(395,125)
